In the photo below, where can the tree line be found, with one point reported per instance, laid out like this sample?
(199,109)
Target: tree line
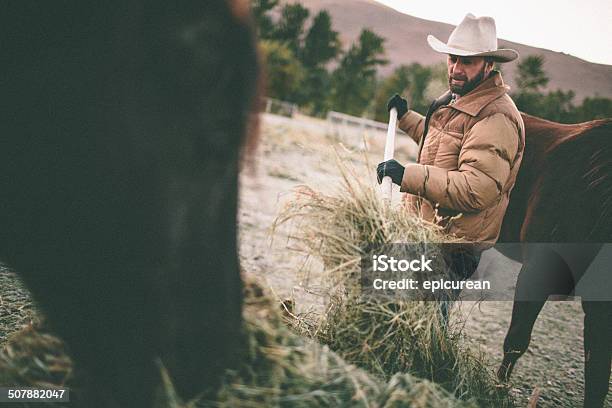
(307,65)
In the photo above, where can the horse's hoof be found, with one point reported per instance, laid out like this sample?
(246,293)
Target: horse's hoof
(505,371)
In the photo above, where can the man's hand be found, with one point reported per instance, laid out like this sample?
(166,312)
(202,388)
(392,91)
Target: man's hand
(398,103)
(392,169)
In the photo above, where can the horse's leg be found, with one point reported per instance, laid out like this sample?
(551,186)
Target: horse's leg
(524,315)
(543,274)
(597,351)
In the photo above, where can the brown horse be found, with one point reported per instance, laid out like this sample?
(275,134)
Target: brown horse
(122,127)
(563,194)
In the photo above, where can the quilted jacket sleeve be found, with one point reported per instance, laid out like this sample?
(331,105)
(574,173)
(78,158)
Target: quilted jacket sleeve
(484,166)
(412,123)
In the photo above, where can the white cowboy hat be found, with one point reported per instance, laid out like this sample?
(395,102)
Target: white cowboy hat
(474,37)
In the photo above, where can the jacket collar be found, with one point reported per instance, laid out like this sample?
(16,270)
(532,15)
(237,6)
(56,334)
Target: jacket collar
(485,93)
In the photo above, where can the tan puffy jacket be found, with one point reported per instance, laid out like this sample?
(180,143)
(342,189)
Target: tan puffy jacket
(467,162)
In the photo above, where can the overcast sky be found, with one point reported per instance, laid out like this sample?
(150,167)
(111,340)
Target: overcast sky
(580,28)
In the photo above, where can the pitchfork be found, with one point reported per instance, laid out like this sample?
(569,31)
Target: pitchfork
(387,184)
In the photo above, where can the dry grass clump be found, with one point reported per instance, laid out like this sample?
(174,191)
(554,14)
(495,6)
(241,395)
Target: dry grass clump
(32,357)
(408,391)
(281,369)
(278,369)
(340,228)
(382,336)
(389,337)
(16,307)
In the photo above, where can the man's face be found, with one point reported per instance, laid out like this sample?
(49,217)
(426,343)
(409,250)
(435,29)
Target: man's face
(465,73)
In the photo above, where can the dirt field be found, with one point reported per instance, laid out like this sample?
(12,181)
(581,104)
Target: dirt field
(301,151)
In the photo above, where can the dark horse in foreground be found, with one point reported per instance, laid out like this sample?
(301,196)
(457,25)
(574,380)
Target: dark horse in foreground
(563,194)
(123,124)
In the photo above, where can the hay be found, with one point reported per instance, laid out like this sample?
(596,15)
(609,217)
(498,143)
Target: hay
(382,336)
(405,390)
(408,337)
(16,307)
(278,369)
(35,358)
(282,369)
(338,228)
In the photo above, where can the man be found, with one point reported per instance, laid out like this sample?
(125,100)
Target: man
(471,144)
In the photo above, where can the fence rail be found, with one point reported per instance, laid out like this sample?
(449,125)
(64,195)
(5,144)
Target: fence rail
(282,108)
(342,119)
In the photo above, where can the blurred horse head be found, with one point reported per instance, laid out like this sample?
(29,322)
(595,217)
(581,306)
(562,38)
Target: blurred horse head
(123,127)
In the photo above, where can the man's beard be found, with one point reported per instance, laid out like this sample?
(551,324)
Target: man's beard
(468,86)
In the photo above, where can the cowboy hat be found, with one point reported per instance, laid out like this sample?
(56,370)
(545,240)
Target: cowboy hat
(474,37)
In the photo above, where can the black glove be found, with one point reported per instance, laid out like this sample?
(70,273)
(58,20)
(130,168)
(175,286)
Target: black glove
(392,169)
(398,103)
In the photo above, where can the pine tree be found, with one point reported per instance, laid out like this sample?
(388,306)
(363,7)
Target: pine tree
(321,44)
(594,108)
(530,80)
(284,72)
(263,21)
(531,76)
(354,80)
(410,81)
(290,26)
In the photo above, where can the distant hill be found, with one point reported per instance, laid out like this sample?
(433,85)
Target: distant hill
(406,43)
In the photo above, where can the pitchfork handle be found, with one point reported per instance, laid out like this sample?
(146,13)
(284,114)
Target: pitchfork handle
(387,184)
